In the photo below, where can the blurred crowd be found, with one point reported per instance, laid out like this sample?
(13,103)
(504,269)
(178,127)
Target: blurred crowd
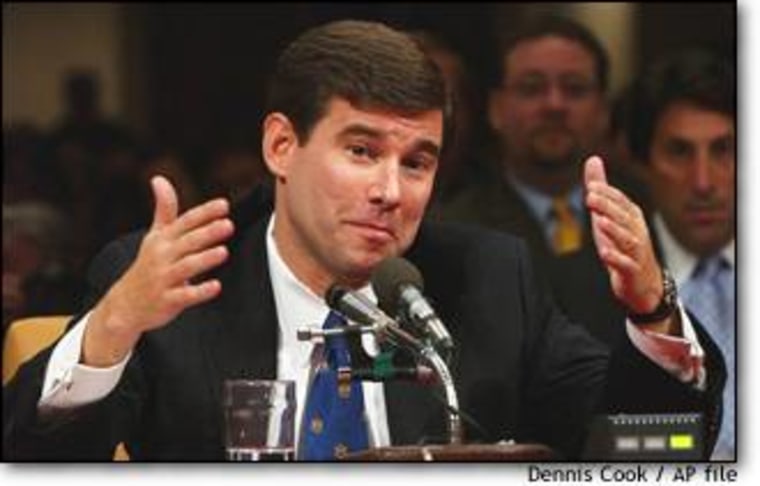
(70,188)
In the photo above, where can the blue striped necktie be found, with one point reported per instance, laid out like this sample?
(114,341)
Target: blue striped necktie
(709,294)
(334,422)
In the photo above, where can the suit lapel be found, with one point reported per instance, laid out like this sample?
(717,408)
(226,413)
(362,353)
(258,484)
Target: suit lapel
(242,339)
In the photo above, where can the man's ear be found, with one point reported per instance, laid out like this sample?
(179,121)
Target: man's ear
(278,143)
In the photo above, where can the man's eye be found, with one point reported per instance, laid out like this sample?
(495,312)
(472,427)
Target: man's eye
(722,150)
(577,90)
(359,150)
(530,89)
(678,149)
(417,164)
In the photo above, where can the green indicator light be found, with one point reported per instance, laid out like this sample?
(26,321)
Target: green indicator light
(681,442)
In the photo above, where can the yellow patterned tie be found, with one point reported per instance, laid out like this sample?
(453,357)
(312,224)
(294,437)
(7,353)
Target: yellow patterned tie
(567,232)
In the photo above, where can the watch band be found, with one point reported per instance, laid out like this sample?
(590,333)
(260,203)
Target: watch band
(665,308)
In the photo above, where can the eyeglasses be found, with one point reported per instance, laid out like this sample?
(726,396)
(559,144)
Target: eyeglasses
(535,88)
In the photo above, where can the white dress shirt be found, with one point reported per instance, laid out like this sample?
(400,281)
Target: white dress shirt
(69,384)
(679,261)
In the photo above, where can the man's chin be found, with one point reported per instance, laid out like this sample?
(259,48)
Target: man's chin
(705,239)
(360,267)
(556,156)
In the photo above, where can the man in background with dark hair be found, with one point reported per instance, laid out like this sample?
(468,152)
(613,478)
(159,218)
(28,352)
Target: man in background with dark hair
(548,111)
(352,136)
(681,127)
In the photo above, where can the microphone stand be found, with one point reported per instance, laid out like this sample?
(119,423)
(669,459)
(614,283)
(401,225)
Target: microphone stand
(442,370)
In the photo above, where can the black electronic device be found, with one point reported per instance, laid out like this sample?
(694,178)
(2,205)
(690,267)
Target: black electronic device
(646,437)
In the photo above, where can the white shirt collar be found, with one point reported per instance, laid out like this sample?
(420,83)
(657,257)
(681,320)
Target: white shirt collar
(297,305)
(678,259)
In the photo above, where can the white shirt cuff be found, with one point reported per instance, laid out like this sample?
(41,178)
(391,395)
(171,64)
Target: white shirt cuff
(69,384)
(682,357)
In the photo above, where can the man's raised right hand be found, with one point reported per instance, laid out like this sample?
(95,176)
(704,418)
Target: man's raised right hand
(157,286)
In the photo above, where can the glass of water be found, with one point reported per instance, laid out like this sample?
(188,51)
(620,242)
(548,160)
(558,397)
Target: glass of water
(259,420)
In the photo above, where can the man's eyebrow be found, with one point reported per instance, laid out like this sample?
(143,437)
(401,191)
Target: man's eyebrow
(679,139)
(533,72)
(728,136)
(428,147)
(359,129)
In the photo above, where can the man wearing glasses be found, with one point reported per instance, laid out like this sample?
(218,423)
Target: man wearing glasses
(549,113)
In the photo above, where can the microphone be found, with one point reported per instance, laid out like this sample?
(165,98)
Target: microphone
(360,309)
(356,307)
(398,285)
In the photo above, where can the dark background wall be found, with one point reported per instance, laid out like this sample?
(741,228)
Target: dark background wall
(207,65)
(182,90)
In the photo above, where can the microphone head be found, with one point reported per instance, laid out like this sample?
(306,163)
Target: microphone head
(390,277)
(354,306)
(333,296)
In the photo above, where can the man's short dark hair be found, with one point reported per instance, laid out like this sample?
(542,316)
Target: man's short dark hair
(698,77)
(547,25)
(367,63)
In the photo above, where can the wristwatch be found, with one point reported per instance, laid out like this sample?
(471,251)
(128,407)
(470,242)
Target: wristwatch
(667,305)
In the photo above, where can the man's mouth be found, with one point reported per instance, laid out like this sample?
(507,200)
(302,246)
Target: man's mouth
(552,133)
(374,231)
(705,214)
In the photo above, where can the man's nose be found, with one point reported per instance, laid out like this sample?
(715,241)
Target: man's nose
(555,97)
(386,186)
(703,178)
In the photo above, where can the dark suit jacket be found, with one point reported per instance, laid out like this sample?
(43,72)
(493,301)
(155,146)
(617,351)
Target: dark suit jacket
(579,281)
(522,371)
(573,277)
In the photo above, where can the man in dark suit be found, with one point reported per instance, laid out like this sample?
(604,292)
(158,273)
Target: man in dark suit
(352,137)
(548,112)
(681,129)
